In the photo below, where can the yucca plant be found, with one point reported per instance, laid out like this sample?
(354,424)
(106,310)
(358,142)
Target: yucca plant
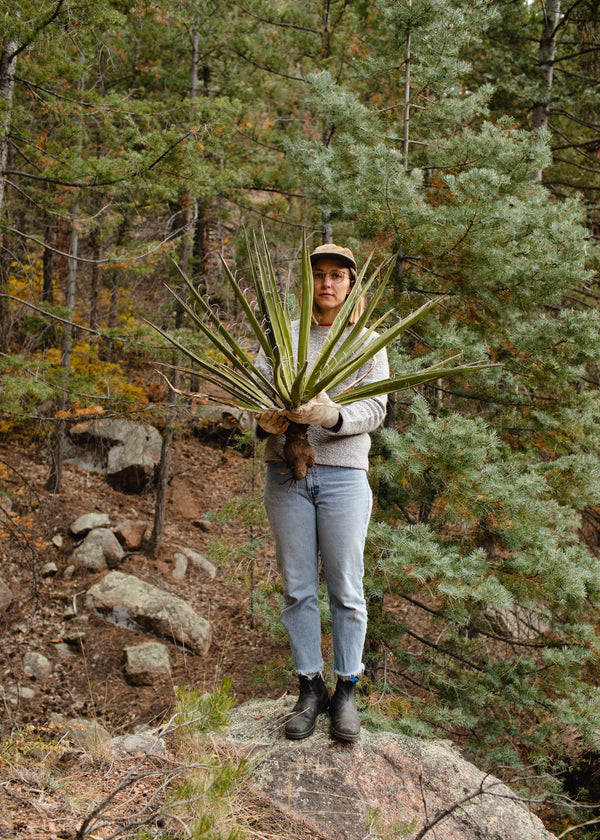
(347,348)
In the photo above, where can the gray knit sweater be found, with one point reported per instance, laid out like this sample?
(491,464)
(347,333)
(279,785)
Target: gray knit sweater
(348,447)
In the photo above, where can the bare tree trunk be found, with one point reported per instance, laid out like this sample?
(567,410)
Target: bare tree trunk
(48,263)
(162,485)
(547,53)
(54,481)
(407,57)
(95,279)
(8,60)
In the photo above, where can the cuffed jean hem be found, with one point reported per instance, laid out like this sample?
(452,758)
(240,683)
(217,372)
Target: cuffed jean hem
(326,513)
(356,674)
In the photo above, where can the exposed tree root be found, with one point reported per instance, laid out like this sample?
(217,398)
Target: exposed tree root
(297,451)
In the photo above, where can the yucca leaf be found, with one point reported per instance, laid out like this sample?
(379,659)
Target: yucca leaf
(347,348)
(278,318)
(306,317)
(223,341)
(356,340)
(367,352)
(297,386)
(255,324)
(226,377)
(336,330)
(409,380)
(281,385)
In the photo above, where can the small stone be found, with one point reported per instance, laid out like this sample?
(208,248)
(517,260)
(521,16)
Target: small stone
(99,549)
(131,533)
(57,541)
(64,651)
(84,524)
(6,596)
(138,745)
(36,665)
(5,507)
(88,734)
(180,568)
(146,664)
(201,562)
(75,638)
(49,569)
(203,524)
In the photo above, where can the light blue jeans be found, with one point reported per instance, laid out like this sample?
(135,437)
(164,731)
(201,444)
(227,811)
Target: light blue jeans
(326,513)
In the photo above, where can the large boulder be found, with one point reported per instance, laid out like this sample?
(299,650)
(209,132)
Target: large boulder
(381,783)
(131,602)
(129,452)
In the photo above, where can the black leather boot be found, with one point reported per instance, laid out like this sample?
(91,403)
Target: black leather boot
(345,722)
(313,699)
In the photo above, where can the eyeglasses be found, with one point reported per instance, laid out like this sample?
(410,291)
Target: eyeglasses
(334,276)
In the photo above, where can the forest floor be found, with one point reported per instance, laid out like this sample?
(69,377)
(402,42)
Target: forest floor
(90,683)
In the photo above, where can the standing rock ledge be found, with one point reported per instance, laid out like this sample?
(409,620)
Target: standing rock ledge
(383,782)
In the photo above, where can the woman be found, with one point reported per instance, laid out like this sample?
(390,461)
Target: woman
(326,514)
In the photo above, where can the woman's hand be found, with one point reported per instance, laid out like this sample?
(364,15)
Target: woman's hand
(273,421)
(320,411)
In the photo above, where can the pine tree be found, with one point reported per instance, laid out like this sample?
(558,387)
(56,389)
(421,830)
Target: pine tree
(483,595)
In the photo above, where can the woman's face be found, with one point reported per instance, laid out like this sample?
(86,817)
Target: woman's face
(332,286)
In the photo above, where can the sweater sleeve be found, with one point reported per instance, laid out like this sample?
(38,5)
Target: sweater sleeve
(366,415)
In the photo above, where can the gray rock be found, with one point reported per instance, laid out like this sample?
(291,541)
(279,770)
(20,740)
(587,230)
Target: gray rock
(138,745)
(6,596)
(6,506)
(200,562)
(57,541)
(49,569)
(132,464)
(128,452)
(15,694)
(129,601)
(64,650)
(99,549)
(36,665)
(180,566)
(335,789)
(89,735)
(84,524)
(146,664)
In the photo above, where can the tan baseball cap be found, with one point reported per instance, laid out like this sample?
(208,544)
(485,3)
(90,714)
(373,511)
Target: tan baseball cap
(331,250)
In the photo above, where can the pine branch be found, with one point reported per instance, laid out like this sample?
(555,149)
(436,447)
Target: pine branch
(267,69)
(277,22)
(36,31)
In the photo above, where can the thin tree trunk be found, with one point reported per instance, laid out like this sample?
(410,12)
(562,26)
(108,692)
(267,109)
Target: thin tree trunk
(54,481)
(48,263)
(407,56)
(162,484)
(95,279)
(546,56)
(8,59)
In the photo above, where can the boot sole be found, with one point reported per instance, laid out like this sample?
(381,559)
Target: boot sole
(300,736)
(344,736)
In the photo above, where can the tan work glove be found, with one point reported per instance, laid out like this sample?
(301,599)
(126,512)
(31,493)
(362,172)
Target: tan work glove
(273,421)
(320,411)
